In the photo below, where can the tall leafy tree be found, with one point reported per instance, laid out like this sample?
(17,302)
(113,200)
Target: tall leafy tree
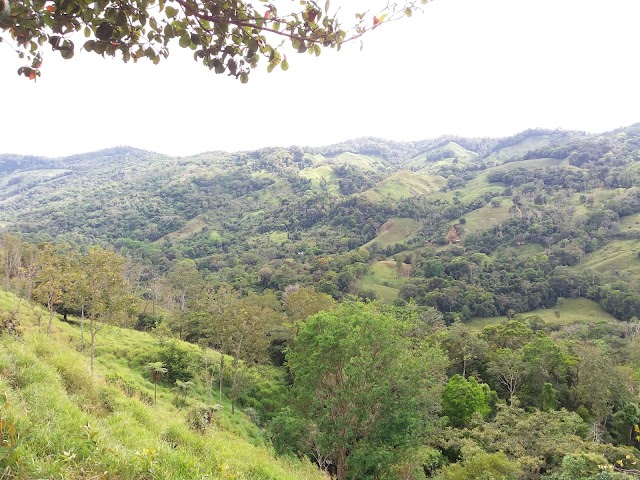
(108,298)
(462,398)
(240,327)
(368,388)
(463,346)
(18,262)
(51,280)
(78,293)
(509,368)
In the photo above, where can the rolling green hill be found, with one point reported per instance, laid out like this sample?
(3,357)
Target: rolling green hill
(268,218)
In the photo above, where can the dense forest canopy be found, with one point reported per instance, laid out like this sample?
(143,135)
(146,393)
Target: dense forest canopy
(449,308)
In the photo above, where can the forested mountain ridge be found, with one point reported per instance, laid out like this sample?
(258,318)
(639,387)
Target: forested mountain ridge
(277,217)
(505,344)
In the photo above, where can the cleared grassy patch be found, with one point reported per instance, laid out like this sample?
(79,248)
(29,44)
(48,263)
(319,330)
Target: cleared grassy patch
(618,259)
(529,143)
(473,189)
(192,227)
(365,162)
(383,293)
(523,252)
(396,230)
(630,223)
(533,163)
(454,151)
(383,278)
(487,217)
(318,175)
(403,184)
(574,310)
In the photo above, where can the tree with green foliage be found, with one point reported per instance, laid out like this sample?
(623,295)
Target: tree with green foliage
(584,467)
(624,421)
(227,37)
(51,280)
(598,385)
(509,368)
(210,360)
(108,298)
(482,466)
(549,398)
(182,390)
(464,347)
(462,398)
(369,389)
(77,295)
(512,335)
(239,327)
(157,371)
(301,302)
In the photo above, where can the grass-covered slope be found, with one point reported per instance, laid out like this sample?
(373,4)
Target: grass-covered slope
(571,311)
(72,426)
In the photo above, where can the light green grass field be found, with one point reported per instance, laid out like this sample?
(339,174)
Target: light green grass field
(403,184)
(324,172)
(487,217)
(574,310)
(382,278)
(524,252)
(365,162)
(28,177)
(532,163)
(460,153)
(530,143)
(616,260)
(630,223)
(395,230)
(192,227)
(279,237)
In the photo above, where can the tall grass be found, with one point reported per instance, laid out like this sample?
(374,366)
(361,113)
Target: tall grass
(72,426)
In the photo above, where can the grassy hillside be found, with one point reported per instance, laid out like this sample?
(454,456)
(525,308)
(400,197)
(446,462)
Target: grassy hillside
(487,217)
(576,310)
(618,259)
(385,280)
(404,184)
(70,425)
(526,145)
(396,230)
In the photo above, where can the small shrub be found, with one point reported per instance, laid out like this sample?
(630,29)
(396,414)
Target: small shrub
(253,415)
(199,416)
(10,325)
(145,397)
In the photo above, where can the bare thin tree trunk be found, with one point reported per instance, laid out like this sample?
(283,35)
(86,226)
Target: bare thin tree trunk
(93,347)
(236,367)
(220,370)
(341,467)
(82,328)
(51,312)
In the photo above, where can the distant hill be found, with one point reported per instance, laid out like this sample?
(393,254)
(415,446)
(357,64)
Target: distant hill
(279,216)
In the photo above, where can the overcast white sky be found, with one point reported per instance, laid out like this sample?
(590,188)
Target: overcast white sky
(466,67)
